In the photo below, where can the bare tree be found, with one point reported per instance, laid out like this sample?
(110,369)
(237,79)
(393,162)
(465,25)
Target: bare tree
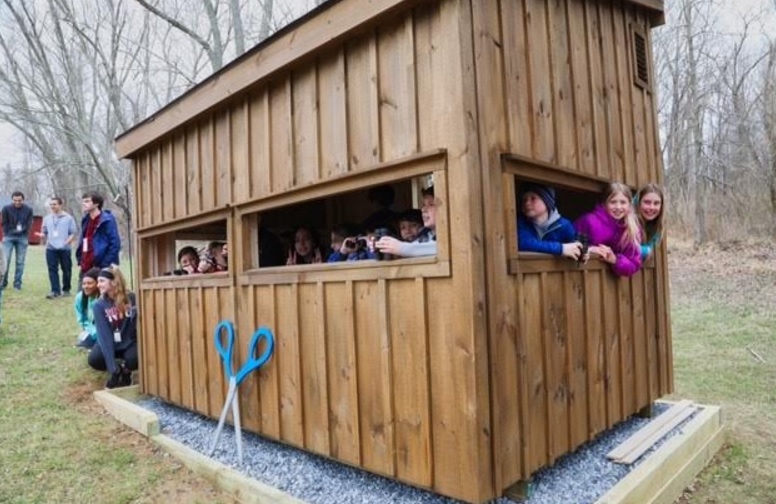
(76,73)
(713,103)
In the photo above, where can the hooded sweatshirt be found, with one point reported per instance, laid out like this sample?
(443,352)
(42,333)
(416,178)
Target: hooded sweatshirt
(603,229)
(547,238)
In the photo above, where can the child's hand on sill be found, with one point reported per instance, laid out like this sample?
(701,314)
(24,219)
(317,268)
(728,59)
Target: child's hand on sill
(603,252)
(573,250)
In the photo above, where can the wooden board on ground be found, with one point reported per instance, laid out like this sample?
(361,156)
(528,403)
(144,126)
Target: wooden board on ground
(647,433)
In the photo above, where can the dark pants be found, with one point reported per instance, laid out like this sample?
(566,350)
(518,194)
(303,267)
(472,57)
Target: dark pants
(56,258)
(97,361)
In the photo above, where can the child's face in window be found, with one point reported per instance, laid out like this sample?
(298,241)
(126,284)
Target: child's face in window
(618,205)
(649,206)
(429,212)
(533,206)
(409,230)
(303,242)
(336,242)
(189,262)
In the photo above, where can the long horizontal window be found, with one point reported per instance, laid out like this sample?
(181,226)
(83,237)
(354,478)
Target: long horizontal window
(384,223)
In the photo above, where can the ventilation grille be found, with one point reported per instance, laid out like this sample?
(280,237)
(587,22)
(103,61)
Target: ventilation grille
(640,62)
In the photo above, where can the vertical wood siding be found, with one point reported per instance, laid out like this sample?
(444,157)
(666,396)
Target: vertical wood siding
(572,351)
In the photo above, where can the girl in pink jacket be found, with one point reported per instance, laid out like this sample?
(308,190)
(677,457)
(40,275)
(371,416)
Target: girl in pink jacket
(613,231)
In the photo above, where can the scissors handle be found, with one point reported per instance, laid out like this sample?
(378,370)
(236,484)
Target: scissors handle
(253,362)
(225,353)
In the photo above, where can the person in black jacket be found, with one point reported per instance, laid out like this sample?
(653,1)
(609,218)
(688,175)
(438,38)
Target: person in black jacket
(17,221)
(115,318)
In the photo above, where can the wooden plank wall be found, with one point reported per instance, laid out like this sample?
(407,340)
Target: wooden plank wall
(179,360)
(572,351)
(385,374)
(368,101)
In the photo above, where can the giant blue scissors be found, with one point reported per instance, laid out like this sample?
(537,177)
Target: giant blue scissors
(251,364)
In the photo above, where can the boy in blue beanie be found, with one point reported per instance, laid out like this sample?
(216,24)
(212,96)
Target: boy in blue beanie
(540,228)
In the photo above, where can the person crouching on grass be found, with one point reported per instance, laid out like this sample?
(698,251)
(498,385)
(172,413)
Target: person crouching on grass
(115,317)
(84,309)
(540,228)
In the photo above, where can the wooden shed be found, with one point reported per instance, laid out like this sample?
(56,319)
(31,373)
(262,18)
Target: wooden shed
(463,372)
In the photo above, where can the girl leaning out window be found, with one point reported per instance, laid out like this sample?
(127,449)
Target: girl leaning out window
(613,232)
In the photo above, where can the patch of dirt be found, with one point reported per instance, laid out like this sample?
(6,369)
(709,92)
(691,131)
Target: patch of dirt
(179,485)
(80,396)
(735,273)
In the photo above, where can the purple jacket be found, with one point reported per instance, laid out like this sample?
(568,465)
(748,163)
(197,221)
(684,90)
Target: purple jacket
(603,229)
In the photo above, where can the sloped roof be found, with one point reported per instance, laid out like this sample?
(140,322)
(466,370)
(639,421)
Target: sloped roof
(324,26)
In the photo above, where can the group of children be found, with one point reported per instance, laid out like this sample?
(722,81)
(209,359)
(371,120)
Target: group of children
(212,259)
(416,237)
(622,230)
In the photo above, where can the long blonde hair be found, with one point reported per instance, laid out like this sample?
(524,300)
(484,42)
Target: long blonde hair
(653,227)
(120,295)
(632,234)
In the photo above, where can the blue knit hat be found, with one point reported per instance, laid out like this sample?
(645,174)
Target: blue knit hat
(547,194)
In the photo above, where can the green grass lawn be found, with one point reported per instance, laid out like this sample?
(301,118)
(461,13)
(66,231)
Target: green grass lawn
(723,300)
(712,365)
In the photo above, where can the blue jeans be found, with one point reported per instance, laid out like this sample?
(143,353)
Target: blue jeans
(54,259)
(19,244)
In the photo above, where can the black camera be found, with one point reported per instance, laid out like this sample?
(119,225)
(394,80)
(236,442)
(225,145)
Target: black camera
(585,241)
(379,233)
(357,243)
(179,272)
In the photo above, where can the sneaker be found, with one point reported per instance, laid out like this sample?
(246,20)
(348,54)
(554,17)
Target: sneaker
(86,343)
(114,380)
(50,295)
(66,294)
(17,287)
(125,380)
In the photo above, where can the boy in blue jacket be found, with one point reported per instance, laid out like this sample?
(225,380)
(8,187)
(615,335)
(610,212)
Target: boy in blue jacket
(100,242)
(540,228)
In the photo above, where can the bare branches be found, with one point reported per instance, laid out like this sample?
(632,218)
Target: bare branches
(714,96)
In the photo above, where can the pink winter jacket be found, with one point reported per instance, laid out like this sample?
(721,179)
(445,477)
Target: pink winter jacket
(603,229)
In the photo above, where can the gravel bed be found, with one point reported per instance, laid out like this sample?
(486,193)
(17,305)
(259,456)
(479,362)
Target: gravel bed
(577,478)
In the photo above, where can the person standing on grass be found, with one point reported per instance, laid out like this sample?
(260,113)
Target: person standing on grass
(115,318)
(100,242)
(2,277)
(17,220)
(59,232)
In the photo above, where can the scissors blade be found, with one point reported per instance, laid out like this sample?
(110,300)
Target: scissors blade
(229,402)
(237,424)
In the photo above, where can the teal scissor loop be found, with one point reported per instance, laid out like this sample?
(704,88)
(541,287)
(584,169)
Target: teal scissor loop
(253,362)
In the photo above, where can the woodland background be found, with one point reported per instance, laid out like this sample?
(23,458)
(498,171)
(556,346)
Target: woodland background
(74,74)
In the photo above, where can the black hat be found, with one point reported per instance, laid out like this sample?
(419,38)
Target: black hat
(547,194)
